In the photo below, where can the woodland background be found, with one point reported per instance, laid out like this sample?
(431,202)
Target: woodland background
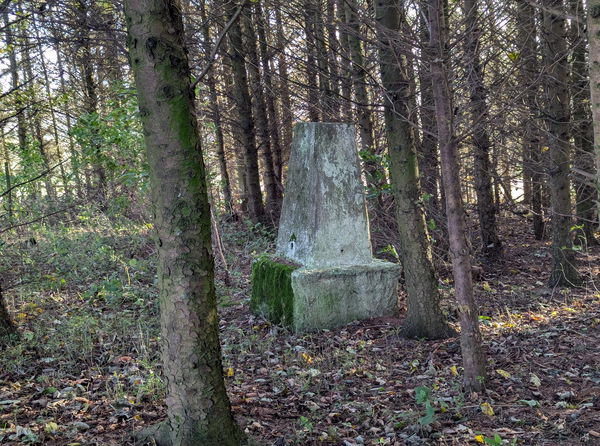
(499,89)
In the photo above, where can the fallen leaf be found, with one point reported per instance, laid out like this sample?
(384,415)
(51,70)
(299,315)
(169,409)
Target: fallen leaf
(487,409)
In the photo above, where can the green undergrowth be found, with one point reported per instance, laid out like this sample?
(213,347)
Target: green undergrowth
(82,294)
(272,294)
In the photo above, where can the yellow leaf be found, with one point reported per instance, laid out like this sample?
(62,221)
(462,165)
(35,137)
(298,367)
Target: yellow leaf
(479,439)
(307,358)
(51,427)
(454,370)
(503,373)
(487,409)
(230,372)
(545,148)
(21,316)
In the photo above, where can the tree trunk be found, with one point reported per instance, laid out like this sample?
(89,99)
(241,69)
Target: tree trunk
(284,89)
(470,336)
(260,112)
(564,272)
(75,158)
(529,74)
(424,318)
(241,95)
(361,97)
(198,409)
(490,243)
(314,96)
(7,328)
(216,118)
(583,156)
(274,128)
(91,102)
(345,73)
(593,33)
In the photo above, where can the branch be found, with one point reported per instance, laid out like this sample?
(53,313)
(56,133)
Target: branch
(35,220)
(31,180)
(213,53)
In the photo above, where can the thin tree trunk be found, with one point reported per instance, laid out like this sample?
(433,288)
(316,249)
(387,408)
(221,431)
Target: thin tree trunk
(470,336)
(361,97)
(314,97)
(593,33)
(490,242)
(284,89)
(345,73)
(583,136)
(50,100)
(424,318)
(241,96)
(529,73)
(91,102)
(198,410)
(260,112)
(36,122)
(564,271)
(216,118)
(75,158)
(274,129)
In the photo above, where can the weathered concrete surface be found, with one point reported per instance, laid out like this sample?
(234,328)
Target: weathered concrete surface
(324,227)
(324,218)
(330,297)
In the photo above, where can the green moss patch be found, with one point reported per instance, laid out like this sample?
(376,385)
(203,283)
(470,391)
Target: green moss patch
(272,294)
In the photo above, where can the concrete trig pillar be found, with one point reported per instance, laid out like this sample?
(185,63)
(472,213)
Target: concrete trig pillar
(323,252)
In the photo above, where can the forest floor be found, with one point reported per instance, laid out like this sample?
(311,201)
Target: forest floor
(86,370)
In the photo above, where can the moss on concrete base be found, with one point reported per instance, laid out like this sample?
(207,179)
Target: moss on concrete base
(272,294)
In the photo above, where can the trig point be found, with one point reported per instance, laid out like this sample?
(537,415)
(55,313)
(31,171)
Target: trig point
(323,273)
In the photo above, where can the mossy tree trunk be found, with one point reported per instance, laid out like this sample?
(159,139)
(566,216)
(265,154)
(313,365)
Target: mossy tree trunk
(564,272)
(198,410)
(424,318)
(470,336)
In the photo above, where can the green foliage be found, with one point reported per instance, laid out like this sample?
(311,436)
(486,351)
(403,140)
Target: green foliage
(114,138)
(423,397)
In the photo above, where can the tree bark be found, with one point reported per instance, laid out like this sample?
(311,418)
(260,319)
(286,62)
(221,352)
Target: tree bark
(284,89)
(314,97)
(361,97)
(424,318)
(7,328)
(529,74)
(198,409)
(260,112)
(581,123)
(241,95)
(593,33)
(216,118)
(490,242)
(564,272)
(470,336)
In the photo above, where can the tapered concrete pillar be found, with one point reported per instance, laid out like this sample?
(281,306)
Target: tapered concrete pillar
(323,274)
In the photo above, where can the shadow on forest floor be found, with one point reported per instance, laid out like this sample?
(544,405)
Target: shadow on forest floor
(87,371)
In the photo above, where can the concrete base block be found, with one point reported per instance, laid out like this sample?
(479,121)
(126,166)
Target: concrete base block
(330,297)
(312,299)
